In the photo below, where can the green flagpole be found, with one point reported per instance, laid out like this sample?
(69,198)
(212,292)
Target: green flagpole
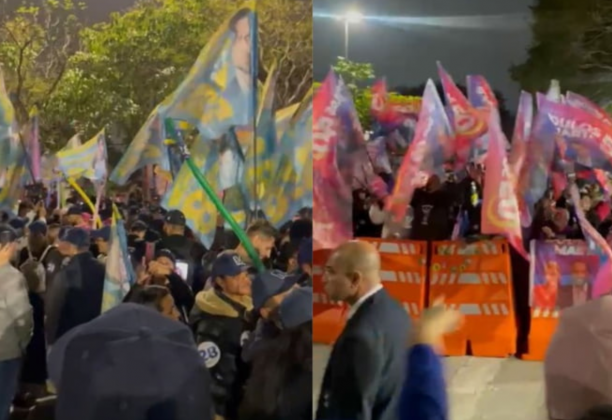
(212,195)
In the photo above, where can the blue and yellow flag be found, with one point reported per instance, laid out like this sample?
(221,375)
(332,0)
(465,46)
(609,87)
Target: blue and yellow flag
(291,186)
(283,119)
(86,161)
(120,274)
(259,161)
(187,196)
(147,148)
(217,92)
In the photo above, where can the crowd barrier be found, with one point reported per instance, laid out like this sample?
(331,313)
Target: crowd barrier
(476,279)
(403,273)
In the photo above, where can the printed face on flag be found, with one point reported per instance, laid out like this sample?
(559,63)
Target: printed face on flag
(587,140)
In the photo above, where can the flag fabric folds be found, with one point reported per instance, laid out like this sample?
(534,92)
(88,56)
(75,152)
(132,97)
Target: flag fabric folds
(217,92)
(120,275)
(86,161)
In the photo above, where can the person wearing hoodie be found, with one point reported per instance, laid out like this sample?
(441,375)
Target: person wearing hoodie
(75,296)
(16,322)
(269,289)
(219,323)
(184,249)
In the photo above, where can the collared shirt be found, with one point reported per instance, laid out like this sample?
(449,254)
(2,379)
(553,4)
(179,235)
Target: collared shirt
(353,309)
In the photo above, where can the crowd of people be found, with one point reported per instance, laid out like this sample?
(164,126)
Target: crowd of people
(201,334)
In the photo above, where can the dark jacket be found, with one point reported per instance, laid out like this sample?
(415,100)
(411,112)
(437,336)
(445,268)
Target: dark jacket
(220,328)
(185,250)
(424,392)
(75,296)
(34,370)
(365,372)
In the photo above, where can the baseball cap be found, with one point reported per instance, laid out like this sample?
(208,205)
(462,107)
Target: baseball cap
(75,211)
(266,285)
(77,237)
(103,233)
(175,217)
(166,253)
(9,232)
(228,264)
(130,363)
(305,252)
(139,226)
(17,223)
(38,228)
(296,308)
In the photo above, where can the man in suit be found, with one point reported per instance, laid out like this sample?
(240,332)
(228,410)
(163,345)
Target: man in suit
(364,375)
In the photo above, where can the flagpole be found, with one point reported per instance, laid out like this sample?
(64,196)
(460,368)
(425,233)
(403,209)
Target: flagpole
(254,72)
(172,134)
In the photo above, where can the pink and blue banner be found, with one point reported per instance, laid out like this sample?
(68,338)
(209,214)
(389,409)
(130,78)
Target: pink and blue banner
(564,274)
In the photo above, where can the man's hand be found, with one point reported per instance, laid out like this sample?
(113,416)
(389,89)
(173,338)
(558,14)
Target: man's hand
(436,321)
(6,253)
(159,270)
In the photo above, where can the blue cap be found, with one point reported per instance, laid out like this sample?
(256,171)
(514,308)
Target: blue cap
(296,308)
(75,211)
(17,223)
(38,228)
(77,237)
(103,233)
(305,252)
(228,264)
(266,285)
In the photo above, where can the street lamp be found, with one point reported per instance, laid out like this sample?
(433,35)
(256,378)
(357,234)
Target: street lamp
(352,16)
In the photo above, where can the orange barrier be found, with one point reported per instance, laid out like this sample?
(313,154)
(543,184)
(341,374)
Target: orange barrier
(403,272)
(543,326)
(476,279)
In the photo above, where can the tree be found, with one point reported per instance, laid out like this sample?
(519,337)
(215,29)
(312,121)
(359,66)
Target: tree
(36,43)
(131,63)
(358,77)
(572,42)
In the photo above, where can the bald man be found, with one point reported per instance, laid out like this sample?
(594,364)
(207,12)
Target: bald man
(364,375)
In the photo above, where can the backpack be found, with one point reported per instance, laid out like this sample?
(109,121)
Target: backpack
(35,272)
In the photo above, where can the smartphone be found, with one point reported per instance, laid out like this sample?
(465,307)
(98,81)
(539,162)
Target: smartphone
(182,269)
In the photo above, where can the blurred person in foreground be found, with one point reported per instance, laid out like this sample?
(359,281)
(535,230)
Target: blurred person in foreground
(130,363)
(424,395)
(16,321)
(76,294)
(376,331)
(280,385)
(219,322)
(578,362)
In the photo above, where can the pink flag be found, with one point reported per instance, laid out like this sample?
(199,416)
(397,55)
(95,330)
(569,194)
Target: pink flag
(432,146)
(522,131)
(332,197)
(500,210)
(578,101)
(34,149)
(468,122)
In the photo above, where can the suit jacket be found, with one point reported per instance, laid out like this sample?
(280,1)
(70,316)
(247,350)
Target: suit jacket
(364,375)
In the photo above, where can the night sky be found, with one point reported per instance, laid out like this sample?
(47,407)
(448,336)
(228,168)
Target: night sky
(497,36)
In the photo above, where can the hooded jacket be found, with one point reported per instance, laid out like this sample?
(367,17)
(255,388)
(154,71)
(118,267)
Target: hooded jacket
(16,322)
(220,327)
